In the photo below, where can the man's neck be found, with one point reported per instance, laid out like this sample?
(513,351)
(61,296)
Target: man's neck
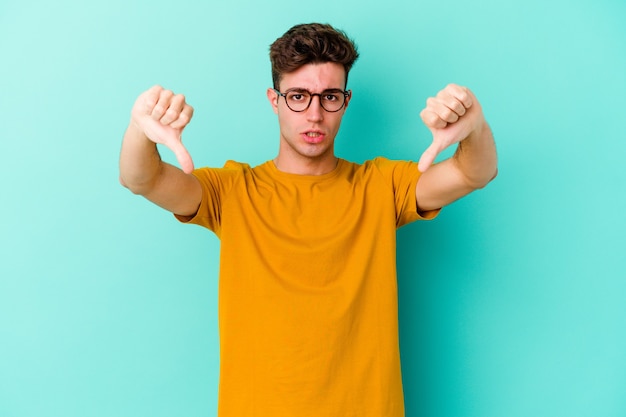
(306,166)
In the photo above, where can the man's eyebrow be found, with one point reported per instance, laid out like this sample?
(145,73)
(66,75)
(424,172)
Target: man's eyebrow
(304,90)
(297,90)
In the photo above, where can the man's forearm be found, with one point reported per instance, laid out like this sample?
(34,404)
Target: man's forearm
(476,156)
(140,161)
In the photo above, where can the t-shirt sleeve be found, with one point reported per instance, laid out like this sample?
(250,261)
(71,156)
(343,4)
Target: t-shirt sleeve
(402,176)
(216,183)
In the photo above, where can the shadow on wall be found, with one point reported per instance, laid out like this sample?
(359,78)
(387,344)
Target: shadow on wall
(436,271)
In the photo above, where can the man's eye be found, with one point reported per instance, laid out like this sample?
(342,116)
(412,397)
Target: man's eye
(331,97)
(296,97)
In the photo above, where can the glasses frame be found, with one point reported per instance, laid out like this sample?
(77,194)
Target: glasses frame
(346,94)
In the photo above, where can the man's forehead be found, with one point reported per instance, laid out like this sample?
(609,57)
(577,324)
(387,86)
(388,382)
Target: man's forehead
(315,77)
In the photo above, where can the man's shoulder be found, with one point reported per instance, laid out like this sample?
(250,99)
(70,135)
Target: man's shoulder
(230,167)
(237,166)
(381,163)
(223,177)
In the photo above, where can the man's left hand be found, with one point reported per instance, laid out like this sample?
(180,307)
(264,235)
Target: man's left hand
(451,116)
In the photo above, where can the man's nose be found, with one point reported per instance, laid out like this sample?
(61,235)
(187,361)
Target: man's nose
(315,111)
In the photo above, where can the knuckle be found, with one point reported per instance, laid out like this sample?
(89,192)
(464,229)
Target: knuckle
(171,114)
(158,111)
(426,115)
(149,103)
(165,98)
(153,92)
(183,119)
(459,108)
(447,114)
(431,119)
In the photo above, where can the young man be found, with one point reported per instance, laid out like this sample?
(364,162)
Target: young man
(307,295)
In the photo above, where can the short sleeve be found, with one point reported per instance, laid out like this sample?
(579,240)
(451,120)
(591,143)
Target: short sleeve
(216,184)
(403,176)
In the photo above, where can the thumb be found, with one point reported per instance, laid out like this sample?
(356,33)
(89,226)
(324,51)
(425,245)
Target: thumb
(428,157)
(170,138)
(182,155)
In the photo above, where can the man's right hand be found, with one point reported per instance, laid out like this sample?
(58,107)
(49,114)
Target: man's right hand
(162,116)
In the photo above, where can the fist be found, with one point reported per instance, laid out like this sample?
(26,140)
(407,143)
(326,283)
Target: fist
(162,116)
(452,115)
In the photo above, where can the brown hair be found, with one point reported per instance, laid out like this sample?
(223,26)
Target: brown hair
(313,43)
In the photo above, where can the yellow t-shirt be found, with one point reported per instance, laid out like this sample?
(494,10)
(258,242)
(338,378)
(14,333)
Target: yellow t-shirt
(307,291)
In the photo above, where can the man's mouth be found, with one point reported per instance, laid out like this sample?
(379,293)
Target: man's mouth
(313,136)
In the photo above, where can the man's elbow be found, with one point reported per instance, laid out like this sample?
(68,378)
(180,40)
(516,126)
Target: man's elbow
(479,182)
(135,188)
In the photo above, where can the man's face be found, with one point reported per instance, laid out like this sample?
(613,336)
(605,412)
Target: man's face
(309,136)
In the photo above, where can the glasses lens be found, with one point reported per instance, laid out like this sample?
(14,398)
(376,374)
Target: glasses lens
(298,101)
(332,101)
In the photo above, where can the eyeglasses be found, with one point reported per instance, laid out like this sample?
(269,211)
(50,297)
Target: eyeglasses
(299,99)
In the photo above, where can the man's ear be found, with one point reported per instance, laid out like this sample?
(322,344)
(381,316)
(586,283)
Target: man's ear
(272,96)
(345,106)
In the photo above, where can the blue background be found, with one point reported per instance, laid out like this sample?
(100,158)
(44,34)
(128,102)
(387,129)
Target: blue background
(512,301)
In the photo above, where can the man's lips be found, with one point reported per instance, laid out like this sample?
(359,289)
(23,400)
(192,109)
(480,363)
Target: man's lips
(313,136)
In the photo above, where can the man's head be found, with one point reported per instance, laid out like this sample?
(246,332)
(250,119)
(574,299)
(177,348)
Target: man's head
(312,43)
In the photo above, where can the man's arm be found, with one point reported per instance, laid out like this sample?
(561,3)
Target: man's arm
(455,116)
(159,116)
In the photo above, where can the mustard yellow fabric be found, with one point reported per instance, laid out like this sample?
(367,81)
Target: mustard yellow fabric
(307,291)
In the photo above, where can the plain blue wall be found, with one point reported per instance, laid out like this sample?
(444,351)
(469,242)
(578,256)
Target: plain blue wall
(512,301)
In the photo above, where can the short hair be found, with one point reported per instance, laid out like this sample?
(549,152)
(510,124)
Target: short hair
(312,43)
